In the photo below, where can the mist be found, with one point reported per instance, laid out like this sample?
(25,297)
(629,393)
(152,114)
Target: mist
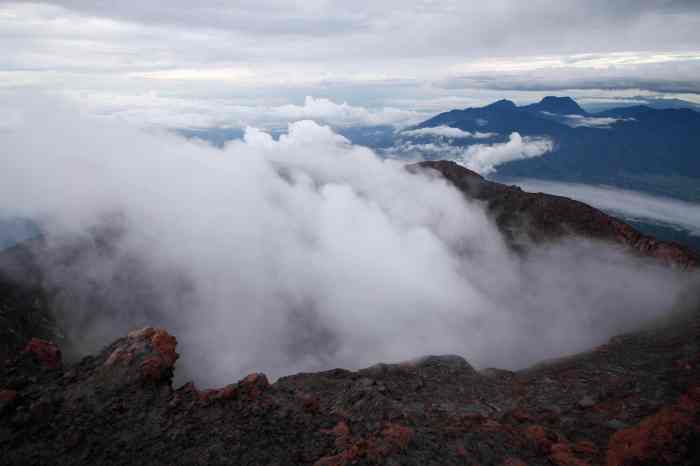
(298,254)
(481,158)
(625,203)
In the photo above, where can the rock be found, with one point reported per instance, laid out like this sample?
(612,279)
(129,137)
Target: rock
(543,217)
(666,437)
(586,402)
(7,400)
(447,361)
(616,424)
(45,351)
(119,407)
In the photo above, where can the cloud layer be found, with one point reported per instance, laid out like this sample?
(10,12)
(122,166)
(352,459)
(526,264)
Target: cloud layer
(175,62)
(481,158)
(627,204)
(446,132)
(301,253)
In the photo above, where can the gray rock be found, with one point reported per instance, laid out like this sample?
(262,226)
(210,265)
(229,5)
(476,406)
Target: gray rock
(586,402)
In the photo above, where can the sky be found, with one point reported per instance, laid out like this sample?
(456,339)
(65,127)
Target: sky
(219,63)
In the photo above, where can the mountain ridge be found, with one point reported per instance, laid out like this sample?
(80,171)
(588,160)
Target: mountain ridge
(637,148)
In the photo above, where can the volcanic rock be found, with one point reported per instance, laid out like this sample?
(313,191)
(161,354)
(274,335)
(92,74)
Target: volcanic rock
(641,393)
(536,217)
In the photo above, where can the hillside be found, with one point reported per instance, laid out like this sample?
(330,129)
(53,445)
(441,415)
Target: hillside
(640,148)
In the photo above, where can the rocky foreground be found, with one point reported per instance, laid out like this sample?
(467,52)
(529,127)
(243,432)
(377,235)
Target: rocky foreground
(633,401)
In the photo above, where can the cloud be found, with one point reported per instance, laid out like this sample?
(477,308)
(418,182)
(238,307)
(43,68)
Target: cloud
(484,158)
(627,204)
(446,132)
(657,72)
(576,121)
(481,158)
(168,112)
(271,53)
(327,111)
(298,253)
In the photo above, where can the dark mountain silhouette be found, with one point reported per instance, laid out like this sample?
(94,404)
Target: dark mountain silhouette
(556,105)
(502,117)
(645,149)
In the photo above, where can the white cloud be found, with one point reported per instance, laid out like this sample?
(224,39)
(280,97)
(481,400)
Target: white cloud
(327,111)
(484,158)
(624,203)
(446,132)
(481,158)
(576,121)
(273,53)
(155,110)
(301,253)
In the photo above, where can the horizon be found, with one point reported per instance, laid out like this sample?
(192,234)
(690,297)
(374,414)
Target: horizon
(236,64)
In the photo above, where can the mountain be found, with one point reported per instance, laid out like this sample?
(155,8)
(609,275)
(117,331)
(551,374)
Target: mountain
(657,103)
(638,148)
(632,401)
(525,217)
(556,105)
(502,117)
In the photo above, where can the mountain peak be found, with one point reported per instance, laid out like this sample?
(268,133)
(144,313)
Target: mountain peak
(503,104)
(558,105)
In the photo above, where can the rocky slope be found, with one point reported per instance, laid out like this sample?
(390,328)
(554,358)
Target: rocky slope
(633,401)
(536,217)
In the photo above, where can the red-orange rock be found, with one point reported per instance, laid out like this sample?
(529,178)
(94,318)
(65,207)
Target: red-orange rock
(8,395)
(398,435)
(342,434)
(165,344)
(663,438)
(152,367)
(538,436)
(311,404)
(586,447)
(229,392)
(253,385)
(510,461)
(562,455)
(521,415)
(47,352)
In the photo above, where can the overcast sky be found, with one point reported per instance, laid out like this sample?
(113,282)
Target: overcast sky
(215,62)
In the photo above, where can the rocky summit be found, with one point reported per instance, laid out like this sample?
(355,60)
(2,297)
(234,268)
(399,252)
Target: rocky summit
(526,218)
(632,401)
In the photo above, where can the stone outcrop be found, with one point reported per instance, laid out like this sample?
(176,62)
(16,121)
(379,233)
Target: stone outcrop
(632,401)
(536,217)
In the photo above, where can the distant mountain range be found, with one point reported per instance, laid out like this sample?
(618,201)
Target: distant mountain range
(639,147)
(653,148)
